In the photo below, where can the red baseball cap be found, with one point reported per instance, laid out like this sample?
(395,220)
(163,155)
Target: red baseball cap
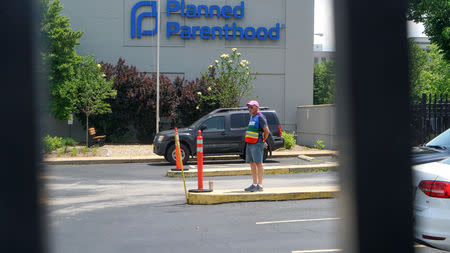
(253,102)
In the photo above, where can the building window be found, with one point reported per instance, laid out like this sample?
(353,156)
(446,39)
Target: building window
(316,60)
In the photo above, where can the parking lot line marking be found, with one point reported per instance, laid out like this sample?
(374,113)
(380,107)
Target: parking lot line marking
(316,250)
(288,221)
(337,250)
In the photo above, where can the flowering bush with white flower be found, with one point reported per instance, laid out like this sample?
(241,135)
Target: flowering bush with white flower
(229,80)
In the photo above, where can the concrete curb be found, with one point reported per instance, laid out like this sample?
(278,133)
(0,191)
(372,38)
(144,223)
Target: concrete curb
(119,160)
(269,194)
(268,170)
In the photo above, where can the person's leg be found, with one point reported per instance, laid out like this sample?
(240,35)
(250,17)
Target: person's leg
(254,169)
(260,172)
(249,159)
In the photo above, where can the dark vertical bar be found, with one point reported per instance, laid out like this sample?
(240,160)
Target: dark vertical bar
(19,216)
(374,165)
(435,115)
(440,113)
(429,112)
(423,114)
(447,112)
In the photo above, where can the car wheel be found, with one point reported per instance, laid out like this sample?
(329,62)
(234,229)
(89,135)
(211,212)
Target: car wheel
(171,155)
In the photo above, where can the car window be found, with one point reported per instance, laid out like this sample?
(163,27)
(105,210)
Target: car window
(441,140)
(239,120)
(446,161)
(215,123)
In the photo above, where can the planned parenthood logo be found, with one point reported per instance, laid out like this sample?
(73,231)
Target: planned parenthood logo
(136,24)
(231,30)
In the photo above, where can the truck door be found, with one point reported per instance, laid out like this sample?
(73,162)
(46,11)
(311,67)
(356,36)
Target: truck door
(214,135)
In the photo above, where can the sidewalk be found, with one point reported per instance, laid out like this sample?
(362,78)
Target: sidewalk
(191,171)
(269,194)
(156,158)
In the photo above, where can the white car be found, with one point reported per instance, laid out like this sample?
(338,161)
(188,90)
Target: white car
(431,203)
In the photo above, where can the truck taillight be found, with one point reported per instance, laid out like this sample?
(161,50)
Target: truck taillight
(279,130)
(436,189)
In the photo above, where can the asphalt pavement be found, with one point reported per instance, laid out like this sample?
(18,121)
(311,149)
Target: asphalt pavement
(136,208)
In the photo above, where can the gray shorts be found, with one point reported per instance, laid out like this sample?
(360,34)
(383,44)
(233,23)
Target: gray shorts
(254,152)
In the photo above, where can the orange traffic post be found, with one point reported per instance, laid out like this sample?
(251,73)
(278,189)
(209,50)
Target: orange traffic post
(180,161)
(179,158)
(200,164)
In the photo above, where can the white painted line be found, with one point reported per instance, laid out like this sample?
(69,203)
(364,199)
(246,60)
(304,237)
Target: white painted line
(337,250)
(288,221)
(316,250)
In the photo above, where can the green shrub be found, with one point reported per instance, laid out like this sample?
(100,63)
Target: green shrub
(52,143)
(74,152)
(319,144)
(69,142)
(289,140)
(61,151)
(94,151)
(85,150)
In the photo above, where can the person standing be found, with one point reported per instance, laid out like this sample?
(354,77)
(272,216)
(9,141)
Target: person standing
(255,138)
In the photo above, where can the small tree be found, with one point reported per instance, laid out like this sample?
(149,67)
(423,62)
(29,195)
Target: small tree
(229,80)
(417,59)
(88,90)
(324,82)
(429,71)
(435,74)
(59,56)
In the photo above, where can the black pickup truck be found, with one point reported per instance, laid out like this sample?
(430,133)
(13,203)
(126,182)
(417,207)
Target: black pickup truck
(223,132)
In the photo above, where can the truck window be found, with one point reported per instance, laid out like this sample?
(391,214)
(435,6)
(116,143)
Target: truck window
(239,120)
(270,118)
(215,123)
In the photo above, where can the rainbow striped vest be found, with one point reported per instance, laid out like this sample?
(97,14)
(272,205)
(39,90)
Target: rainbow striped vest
(251,136)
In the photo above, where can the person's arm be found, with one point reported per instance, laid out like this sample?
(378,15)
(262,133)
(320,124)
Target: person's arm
(266,135)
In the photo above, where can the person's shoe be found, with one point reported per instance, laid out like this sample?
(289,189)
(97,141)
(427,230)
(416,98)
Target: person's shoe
(259,188)
(251,188)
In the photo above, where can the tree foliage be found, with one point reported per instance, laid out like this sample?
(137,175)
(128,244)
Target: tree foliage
(324,83)
(229,81)
(435,16)
(88,90)
(59,56)
(429,71)
(134,108)
(189,107)
(435,74)
(417,59)
(135,104)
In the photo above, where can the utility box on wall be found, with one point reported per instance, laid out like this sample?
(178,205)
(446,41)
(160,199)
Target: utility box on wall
(316,123)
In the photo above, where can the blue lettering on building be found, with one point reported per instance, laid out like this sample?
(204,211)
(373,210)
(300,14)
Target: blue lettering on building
(136,30)
(228,31)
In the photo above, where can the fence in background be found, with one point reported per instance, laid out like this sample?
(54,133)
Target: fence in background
(430,117)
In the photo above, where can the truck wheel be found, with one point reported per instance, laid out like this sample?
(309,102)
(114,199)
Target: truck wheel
(171,155)
(243,153)
(265,154)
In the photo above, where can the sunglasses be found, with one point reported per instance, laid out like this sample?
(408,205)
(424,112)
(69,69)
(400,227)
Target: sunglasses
(251,107)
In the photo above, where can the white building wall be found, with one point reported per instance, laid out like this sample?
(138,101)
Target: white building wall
(283,67)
